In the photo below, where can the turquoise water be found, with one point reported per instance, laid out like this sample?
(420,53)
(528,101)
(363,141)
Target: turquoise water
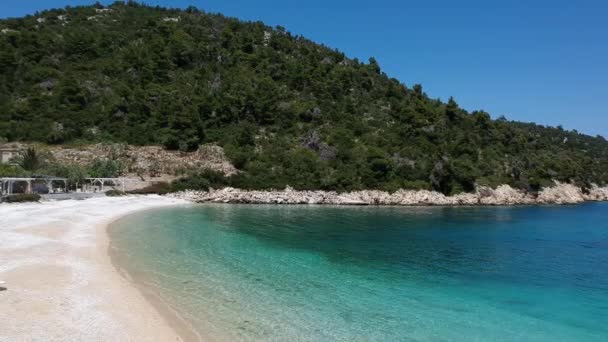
(311,273)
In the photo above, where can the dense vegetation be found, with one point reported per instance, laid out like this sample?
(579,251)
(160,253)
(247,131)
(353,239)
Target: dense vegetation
(286,110)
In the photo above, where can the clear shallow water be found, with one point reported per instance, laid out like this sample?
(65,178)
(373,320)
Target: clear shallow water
(311,273)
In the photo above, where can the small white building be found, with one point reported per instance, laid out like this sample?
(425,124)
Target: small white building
(7,153)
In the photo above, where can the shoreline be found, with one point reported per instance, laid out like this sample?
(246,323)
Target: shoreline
(61,281)
(503,195)
(180,325)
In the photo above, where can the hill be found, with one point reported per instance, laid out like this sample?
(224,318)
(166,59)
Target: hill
(286,111)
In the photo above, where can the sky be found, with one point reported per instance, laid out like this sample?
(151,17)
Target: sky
(536,61)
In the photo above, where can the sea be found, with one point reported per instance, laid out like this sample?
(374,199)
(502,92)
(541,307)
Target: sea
(339,273)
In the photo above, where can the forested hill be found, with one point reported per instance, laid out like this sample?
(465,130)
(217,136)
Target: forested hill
(286,110)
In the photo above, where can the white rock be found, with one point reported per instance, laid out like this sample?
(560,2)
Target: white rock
(502,195)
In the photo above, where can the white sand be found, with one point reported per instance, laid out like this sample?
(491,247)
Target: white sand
(61,284)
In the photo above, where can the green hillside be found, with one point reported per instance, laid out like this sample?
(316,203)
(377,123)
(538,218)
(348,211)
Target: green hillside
(285,109)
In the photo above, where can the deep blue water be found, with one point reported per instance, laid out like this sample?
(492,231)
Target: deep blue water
(314,273)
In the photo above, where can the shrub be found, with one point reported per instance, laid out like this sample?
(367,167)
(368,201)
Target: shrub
(115,193)
(12,171)
(416,185)
(17,198)
(74,173)
(106,168)
(191,182)
(200,181)
(159,188)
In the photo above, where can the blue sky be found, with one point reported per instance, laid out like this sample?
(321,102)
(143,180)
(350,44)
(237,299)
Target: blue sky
(537,61)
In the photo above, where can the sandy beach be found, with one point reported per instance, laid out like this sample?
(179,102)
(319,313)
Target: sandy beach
(59,279)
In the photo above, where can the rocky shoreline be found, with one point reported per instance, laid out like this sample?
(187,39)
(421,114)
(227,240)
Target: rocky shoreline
(560,193)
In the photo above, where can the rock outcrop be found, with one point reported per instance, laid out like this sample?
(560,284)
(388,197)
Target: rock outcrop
(596,194)
(150,161)
(503,195)
(560,194)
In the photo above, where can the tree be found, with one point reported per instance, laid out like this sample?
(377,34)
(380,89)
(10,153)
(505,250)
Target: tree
(452,109)
(441,176)
(374,66)
(75,174)
(30,159)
